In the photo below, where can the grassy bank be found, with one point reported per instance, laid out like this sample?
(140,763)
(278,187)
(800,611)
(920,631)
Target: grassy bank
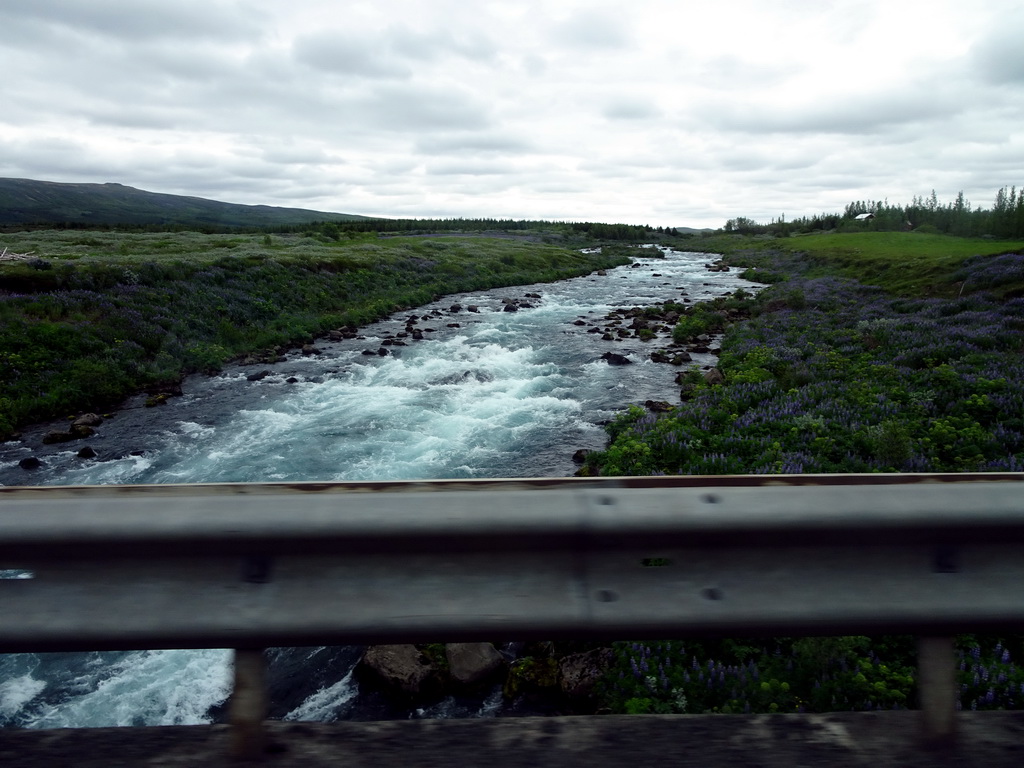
(902,263)
(869,352)
(831,374)
(90,317)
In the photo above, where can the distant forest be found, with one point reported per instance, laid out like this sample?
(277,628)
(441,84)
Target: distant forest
(925,214)
(623,232)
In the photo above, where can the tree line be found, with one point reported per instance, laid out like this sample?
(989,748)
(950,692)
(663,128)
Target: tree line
(335,230)
(1005,219)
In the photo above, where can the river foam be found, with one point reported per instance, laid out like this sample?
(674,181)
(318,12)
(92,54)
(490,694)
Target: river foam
(504,394)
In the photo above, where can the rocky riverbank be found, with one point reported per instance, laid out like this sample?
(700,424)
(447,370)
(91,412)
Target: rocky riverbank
(539,676)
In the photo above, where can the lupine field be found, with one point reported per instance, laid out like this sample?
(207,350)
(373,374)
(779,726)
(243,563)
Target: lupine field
(802,675)
(832,375)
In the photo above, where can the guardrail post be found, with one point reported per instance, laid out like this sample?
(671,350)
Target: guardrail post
(249,701)
(936,687)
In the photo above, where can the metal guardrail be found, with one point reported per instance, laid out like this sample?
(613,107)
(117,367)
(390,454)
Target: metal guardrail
(255,565)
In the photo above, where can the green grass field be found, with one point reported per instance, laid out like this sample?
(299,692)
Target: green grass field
(903,263)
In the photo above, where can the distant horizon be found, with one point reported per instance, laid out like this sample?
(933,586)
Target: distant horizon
(345,213)
(764,221)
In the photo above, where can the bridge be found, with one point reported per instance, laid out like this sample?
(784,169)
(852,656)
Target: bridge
(248,566)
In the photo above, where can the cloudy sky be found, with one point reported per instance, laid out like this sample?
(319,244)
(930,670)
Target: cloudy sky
(661,112)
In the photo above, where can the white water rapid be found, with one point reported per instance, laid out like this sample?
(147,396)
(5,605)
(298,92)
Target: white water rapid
(485,394)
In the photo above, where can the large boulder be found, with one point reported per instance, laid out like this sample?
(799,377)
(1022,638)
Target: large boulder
(714,377)
(471,664)
(580,673)
(402,670)
(614,358)
(87,420)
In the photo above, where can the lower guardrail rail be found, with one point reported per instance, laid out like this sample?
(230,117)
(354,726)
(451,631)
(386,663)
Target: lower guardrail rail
(248,566)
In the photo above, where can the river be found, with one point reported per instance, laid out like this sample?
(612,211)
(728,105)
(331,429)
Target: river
(486,393)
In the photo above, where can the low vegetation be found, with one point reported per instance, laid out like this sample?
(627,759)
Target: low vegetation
(868,352)
(90,317)
(803,675)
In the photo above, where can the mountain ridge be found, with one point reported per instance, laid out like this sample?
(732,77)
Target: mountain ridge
(35,202)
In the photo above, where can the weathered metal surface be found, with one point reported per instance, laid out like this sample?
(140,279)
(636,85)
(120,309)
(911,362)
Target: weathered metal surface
(257,565)
(836,740)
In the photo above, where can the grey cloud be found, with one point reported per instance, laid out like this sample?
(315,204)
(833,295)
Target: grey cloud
(141,19)
(289,153)
(631,109)
(56,159)
(442,43)
(752,158)
(730,72)
(588,28)
(348,55)
(535,65)
(1000,54)
(473,144)
(191,62)
(461,168)
(855,114)
(419,108)
(142,116)
(391,53)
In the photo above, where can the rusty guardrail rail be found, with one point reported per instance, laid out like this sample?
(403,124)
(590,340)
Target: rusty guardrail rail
(247,566)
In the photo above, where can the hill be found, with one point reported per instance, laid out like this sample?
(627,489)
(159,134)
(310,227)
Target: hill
(28,201)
